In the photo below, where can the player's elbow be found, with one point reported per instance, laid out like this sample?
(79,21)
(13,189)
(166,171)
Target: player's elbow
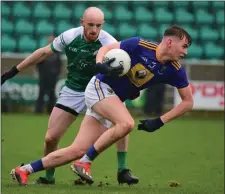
(39,55)
(189,104)
(42,53)
(46,51)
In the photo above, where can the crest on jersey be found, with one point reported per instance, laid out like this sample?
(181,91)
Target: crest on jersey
(160,71)
(141,74)
(163,68)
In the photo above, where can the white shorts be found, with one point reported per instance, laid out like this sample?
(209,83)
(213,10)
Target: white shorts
(95,92)
(71,101)
(74,103)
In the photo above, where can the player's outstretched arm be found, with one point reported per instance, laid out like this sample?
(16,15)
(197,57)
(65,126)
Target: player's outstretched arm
(187,103)
(36,57)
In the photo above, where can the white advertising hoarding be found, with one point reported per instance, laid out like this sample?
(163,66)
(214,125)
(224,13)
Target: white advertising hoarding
(208,95)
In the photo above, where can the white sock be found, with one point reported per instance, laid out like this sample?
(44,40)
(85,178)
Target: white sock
(27,167)
(85,159)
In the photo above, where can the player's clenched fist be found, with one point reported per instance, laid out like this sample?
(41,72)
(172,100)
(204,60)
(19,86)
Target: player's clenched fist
(150,125)
(9,74)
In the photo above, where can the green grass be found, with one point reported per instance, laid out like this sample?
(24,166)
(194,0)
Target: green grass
(189,151)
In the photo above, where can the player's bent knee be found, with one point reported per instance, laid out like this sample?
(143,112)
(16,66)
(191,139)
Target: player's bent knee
(130,125)
(49,139)
(127,126)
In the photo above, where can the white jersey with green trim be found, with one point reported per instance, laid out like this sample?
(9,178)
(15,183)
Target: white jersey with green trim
(80,54)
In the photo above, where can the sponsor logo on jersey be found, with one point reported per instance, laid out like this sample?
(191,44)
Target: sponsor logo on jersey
(84,51)
(76,50)
(95,53)
(151,66)
(73,49)
(145,59)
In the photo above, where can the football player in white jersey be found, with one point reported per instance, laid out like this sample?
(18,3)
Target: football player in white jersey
(81,45)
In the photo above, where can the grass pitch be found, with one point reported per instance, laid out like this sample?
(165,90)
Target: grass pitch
(187,151)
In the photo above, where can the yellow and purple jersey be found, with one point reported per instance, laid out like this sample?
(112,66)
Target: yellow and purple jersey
(145,70)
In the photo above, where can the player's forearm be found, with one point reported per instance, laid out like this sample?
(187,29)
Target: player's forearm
(35,58)
(101,53)
(103,50)
(179,110)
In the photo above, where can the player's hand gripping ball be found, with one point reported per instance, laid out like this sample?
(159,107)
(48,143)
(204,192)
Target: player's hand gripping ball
(121,58)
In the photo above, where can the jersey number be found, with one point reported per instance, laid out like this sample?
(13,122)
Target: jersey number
(139,75)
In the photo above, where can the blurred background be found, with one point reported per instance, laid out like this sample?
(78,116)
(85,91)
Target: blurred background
(27,25)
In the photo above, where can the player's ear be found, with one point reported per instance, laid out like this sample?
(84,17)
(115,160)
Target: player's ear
(82,21)
(169,42)
(103,23)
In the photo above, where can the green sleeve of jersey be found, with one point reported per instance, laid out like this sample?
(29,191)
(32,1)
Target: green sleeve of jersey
(53,49)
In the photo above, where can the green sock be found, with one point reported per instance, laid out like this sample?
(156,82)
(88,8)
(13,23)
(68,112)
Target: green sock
(121,158)
(50,174)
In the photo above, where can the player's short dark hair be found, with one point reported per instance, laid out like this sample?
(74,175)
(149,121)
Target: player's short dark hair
(178,32)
